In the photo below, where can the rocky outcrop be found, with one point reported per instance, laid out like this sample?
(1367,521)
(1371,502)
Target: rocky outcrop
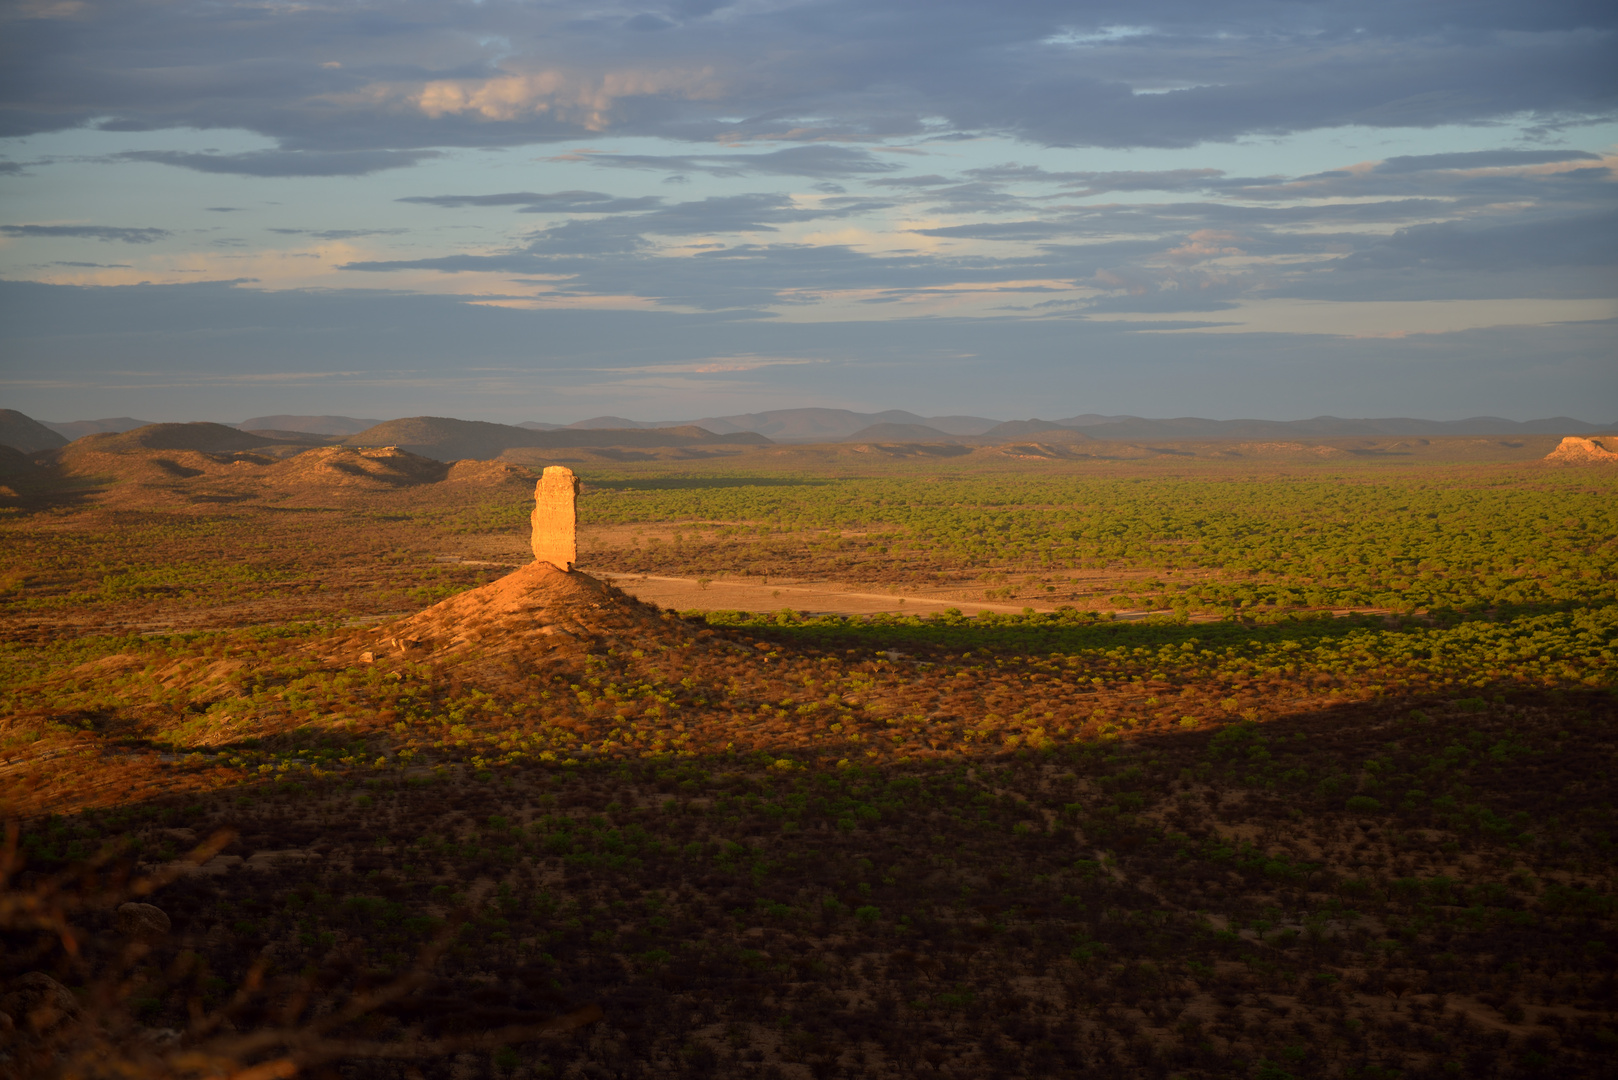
(1576,450)
(145,923)
(38,1006)
(556,518)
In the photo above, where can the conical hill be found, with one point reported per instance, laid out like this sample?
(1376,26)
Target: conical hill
(534,617)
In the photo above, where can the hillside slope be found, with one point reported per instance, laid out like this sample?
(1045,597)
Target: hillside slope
(900,433)
(78,429)
(198,435)
(22,432)
(337,426)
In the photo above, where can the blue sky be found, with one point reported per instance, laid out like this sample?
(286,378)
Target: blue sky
(518,210)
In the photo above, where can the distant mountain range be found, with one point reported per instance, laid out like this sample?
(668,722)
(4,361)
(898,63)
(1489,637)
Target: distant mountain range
(839,425)
(449,439)
(794,425)
(340,426)
(1320,427)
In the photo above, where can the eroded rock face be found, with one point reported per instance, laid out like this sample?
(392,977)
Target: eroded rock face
(555,519)
(1577,450)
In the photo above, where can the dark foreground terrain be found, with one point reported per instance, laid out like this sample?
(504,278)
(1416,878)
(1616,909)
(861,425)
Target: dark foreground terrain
(1180,905)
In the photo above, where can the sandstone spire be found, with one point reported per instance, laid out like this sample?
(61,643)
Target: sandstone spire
(556,517)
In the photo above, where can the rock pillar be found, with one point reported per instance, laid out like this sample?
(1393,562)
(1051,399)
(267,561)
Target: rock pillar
(556,517)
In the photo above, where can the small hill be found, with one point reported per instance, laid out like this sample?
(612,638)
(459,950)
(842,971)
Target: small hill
(346,468)
(199,435)
(689,435)
(909,449)
(22,432)
(491,474)
(900,433)
(78,429)
(336,426)
(1023,429)
(285,471)
(444,438)
(1049,450)
(532,617)
(833,425)
(307,438)
(1579,451)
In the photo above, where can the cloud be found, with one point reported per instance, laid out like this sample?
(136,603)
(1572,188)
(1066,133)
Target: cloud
(647,22)
(841,162)
(930,180)
(556,202)
(87,232)
(1584,240)
(339,234)
(286,162)
(588,101)
(428,75)
(1203,245)
(1098,183)
(716,365)
(744,213)
(1481,159)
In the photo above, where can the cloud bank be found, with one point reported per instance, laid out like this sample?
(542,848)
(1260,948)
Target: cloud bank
(1114,184)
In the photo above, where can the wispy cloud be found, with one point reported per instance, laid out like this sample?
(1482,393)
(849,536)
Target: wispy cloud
(286,163)
(809,161)
(555,202)
(87,232)
(338,234)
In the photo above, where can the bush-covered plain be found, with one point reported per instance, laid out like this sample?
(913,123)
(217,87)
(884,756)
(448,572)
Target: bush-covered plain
(1271,843)
(1203,543)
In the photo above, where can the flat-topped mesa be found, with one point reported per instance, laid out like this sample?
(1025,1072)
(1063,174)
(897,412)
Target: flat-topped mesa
(556,517)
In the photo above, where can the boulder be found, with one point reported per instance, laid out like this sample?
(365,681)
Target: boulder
(38,1004)
(143,922)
